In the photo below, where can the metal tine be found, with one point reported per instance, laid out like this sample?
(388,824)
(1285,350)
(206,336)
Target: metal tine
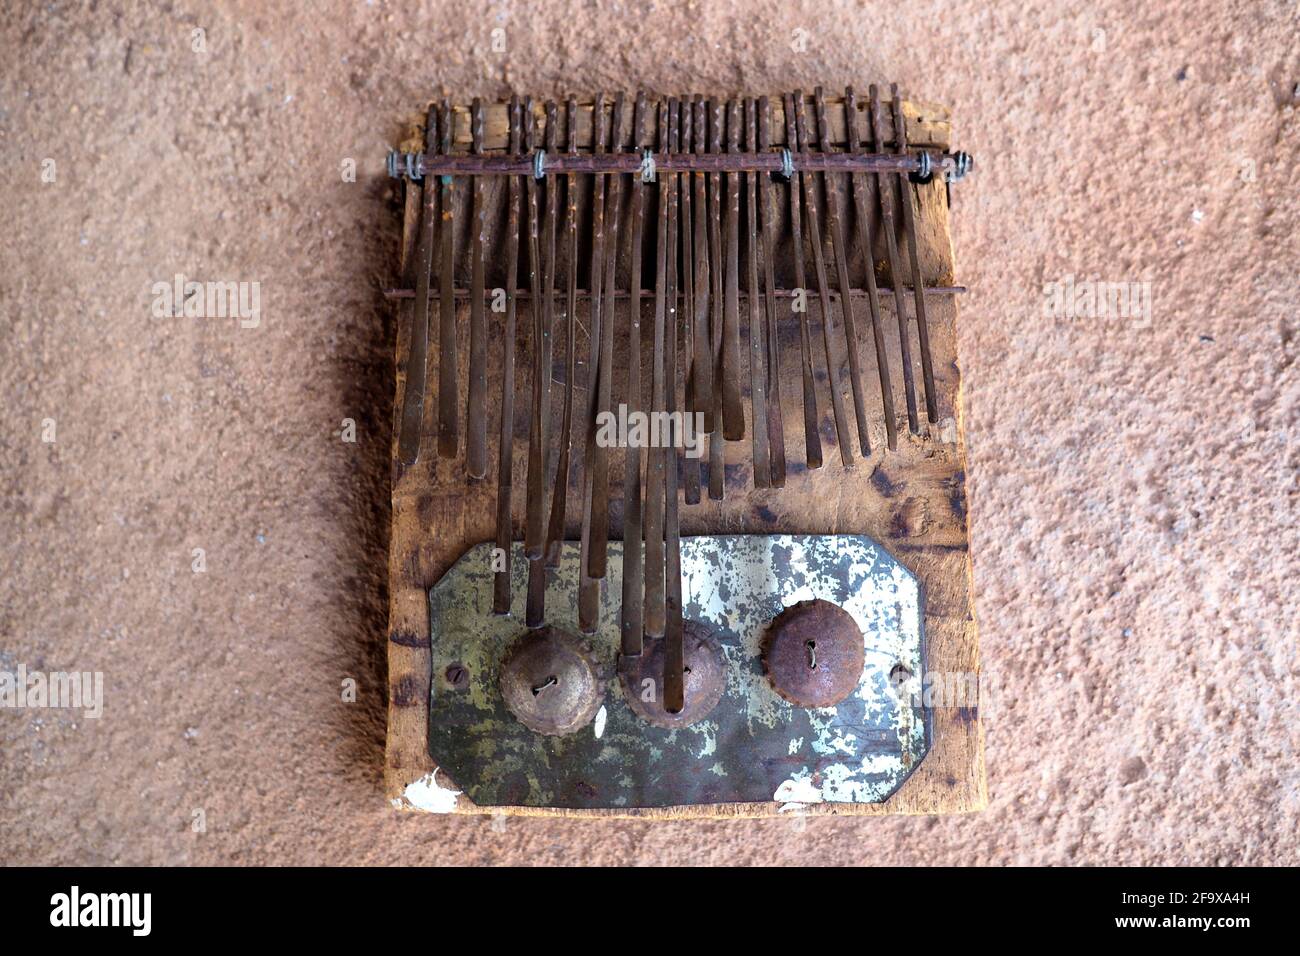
(505,447)
(811,416)
(918,284)
(448,348)
(417,356)
(588,587)
(690,464)
(861,204)
(674,673)
(654,479)
(883,182)
(550,221)
(597,557)
(632,617)
(476,412)
(819,264)
(834,223)
(733,415)
(534,530)
(717,442)
(775,416)
(560,490)
(673,317)
(701,349)
(757,347)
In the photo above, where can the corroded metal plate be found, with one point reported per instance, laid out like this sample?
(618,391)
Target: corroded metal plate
(753,747)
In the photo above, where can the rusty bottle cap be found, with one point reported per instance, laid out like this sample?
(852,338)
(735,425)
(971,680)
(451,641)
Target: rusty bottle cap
(705,677)
(549,682)
(813,654)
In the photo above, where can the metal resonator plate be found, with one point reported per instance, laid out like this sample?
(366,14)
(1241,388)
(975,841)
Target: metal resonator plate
(753,747)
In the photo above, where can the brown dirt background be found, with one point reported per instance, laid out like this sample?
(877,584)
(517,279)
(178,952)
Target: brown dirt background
(1133,491)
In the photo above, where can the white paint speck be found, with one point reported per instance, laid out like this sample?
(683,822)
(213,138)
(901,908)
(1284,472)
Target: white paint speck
(425,794)
(600,722)
(798,792)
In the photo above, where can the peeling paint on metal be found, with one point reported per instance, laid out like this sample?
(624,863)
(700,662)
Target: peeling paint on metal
(754,746)
(707,731)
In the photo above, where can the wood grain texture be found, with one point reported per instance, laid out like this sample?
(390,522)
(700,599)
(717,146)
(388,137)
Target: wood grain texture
(911,500)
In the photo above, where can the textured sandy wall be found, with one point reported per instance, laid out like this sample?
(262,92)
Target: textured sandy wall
(1133,483)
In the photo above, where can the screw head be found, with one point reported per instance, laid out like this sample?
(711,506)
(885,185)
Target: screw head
(457,676)
(813,654)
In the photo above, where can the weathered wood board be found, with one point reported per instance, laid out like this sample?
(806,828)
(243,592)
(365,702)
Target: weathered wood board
(912,500)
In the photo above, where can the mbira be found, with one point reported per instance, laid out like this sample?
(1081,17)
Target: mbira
(679,521)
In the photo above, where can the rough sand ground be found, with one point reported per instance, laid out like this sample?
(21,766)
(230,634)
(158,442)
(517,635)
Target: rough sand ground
(1133,489)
